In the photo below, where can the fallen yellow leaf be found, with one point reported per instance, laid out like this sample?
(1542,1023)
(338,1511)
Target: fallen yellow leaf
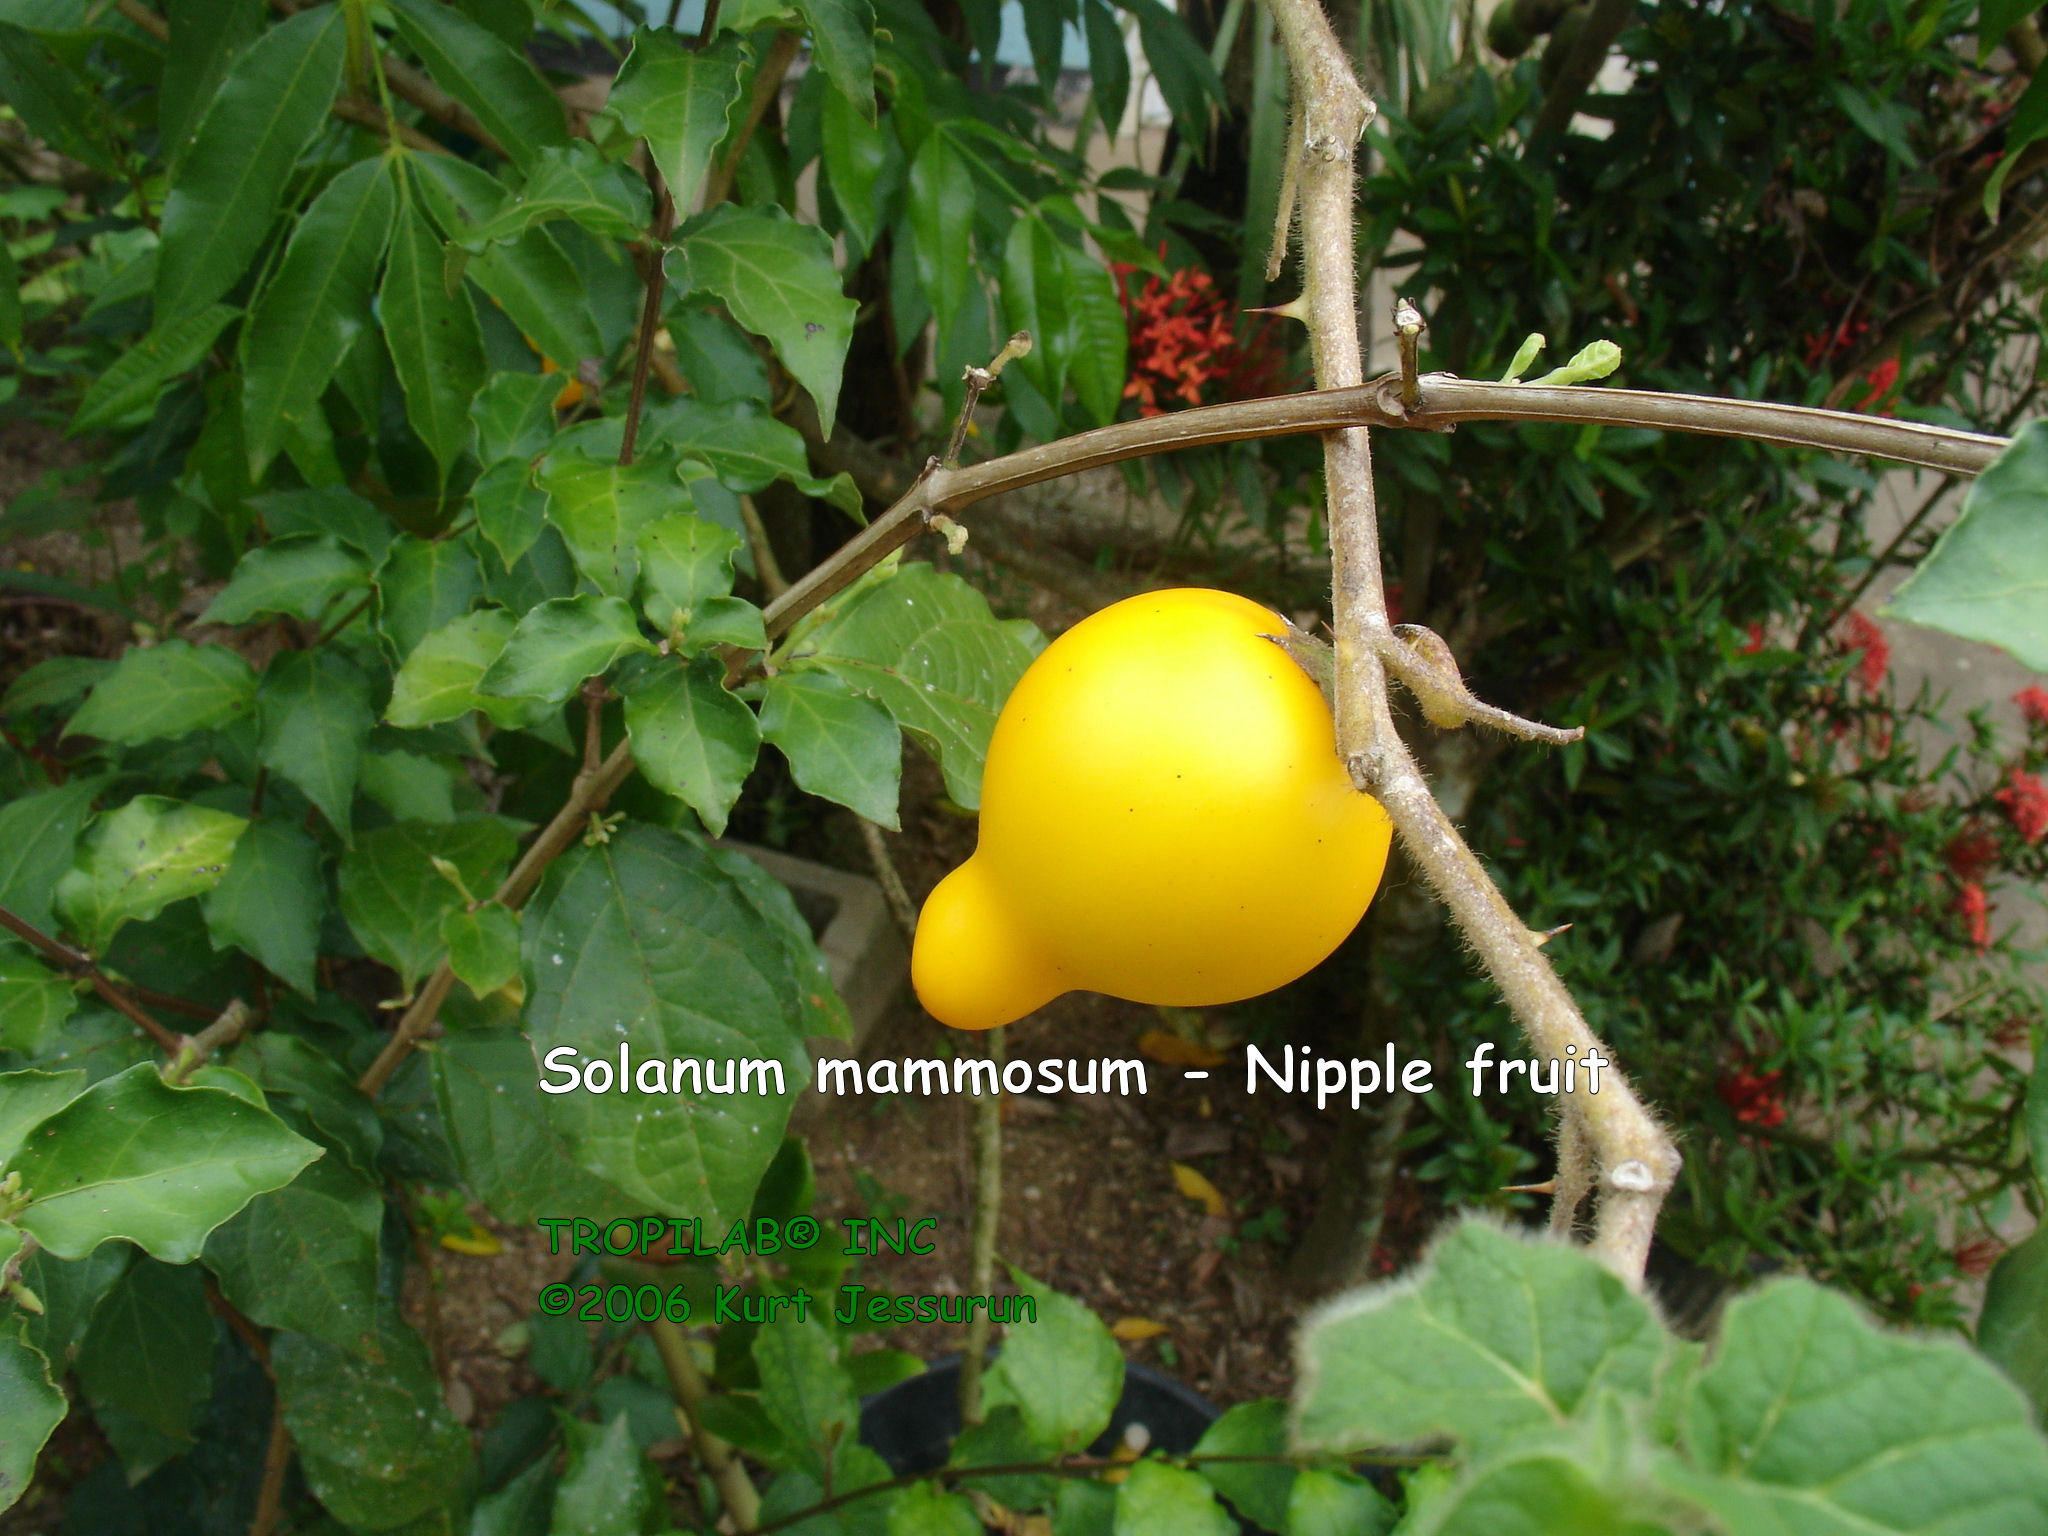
(1176,1052)
(1133,1329)
(477,1243)
(1195,1187)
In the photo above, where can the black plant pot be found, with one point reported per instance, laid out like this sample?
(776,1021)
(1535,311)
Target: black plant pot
(912,1424)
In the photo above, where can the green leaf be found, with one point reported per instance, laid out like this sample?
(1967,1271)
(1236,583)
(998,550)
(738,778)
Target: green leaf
(543,294)
(53,682)
(487,1085)
(423,585)
(439,679)
(777,278)
(1064,1371)
(647,943)
(806,1392)
(843,37)
(923,1510)
(1324,1503)
(521,1507)
(1158,1500)
(840,747)
(52,101)
(69,1291)
(2012,1332)
(677,100)
(1180,66)
(504,91)
(375,1440)
(314,308)
(1587,1475)
(1809,1418)
(325,1091)
(1987,576)
(858,155)
(1035,299)
(137,861)
(1260,1490)
(1995,18)
(941,226)
(304,1257)
(32,1407)
(575,183)
(161,1166)
(140,375)
(10,300)
(1098,334)
(515,418)
(684,561)
(483,946)
(1109,62)
(926,648)
(314,711)
(692,739)
(149,1349)
(230,182)
(1502,1334)
(34,1002)
(169,689)
(602,507)
(2037,1116)
(27,1099)
(560,643)
(605,1489)
(393,898)
(206,37)
(330,510)
(747,448)
(37,836)
(270,901)
(409,786)
(820,1011)
(435,344)
(299,576)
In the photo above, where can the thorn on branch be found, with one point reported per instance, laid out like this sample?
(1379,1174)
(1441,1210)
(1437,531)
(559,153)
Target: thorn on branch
(1418,656)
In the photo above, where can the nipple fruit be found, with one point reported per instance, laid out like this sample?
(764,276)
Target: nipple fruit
(1163,819)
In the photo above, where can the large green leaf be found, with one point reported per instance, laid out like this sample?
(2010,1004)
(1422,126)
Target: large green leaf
(330,510)
(425,583)
(1587,1475)
(169,689)
(38,833)
(374,1436)
(691,738)
(1180,66)
(270,901)
(304,1257)
(149,1348)
(1158,1500)
(393,897)
(806,1392)
(161,1166)
(439,679)
(314,711)
(342,1117)
(488,1087)
(560,643)
(498,85)
(840,747)
(685,563)
(606,1489)
(602,507)
(843,37)
(1810,1419)
(34,1002)
(863,165)
(1034,293)
(31,1406)
(747,448)
(1064,1371)
(2012,1331)
(926,648)
(206,36)
(27,1099)
(777,278)
(576,183)
(677,100)
(1502,1334)
(139,376)
(151,852)
(229,184)
(483,945)
(300,576)
(1098,334)
(646,943)
(314,308)
(432,333)
(941,225)
(1987,576)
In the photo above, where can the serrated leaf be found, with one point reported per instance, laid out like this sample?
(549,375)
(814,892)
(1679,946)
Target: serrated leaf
(693,739)
(677,100)
(32,1407)
(141,374)
(27,1099)
(601,508)
(840,747)
(393,898)
(843,36)
(299,576)
(515,418)
(1987,576)
(649,932)
(149,1349)
(483,946)
(1158,1500)
(313,710)
(926,648)
(1063,1372)
(230,182)
(575,183)
(34,1002)
(38,834)
(304,1257)
(503,90)
(777,278)
(605,1489)
(375,1439)
(560,643)
(424,584)
(439,679)
(435,345)
(137,861)
(270,901)
(133,1157)
(1501,1334)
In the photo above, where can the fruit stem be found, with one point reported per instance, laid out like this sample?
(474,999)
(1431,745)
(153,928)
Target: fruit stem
(988,1207)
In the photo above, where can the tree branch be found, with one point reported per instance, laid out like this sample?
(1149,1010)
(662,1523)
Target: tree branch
(77,963)
(742,1502)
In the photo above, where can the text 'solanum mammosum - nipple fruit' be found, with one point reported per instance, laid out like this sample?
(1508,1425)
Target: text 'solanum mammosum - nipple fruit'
(1163,818)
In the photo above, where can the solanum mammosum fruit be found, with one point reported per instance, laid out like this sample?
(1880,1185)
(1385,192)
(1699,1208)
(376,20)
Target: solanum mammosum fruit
(1163,818)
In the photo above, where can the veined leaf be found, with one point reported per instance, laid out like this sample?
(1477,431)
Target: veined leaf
(139,375)
(514,416)
(313,710)
(137,861)
(149,1348)
(34,1002)
(498,85)
(424,583)
(942,225)
(169,689)
(433,336)
(300,576)
(843,33)
(575,183)
(304,1257)
(678,101)
(439,679)
(483,946)
(206,37)
(863,164)
(31,1405)
(27,1099)
(52,101)
(511,510)
(840,747)
(560,643)
(37,835)
(692,738)
(270,901)
(1064,1372)
(393,897)
(601,508)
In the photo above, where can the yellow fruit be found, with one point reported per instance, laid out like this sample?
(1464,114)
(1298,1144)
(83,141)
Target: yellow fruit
(1163,819)
(572,392)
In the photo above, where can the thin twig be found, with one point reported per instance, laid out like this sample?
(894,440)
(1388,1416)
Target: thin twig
(277,1460)
(650,310)
(77,963)
(194,1051)
(901,907)
(767,81)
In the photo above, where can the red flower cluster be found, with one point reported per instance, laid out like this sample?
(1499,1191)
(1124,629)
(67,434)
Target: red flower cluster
(1976,1255)
(1975,909)
(1820,348)
(1184,336)
(1971,853)
(2025,800)
(1753,1097)
(2033,704)
(1880,379)
(1864,635)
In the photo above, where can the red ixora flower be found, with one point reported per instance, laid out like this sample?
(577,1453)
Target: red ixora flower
(1183,336)
(1755,642)
(1971,853)
(1862,634)
(2025,800)
(1976,1255)
(1975,909)
(1880,379)
(2033,704)
(1753,1097)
